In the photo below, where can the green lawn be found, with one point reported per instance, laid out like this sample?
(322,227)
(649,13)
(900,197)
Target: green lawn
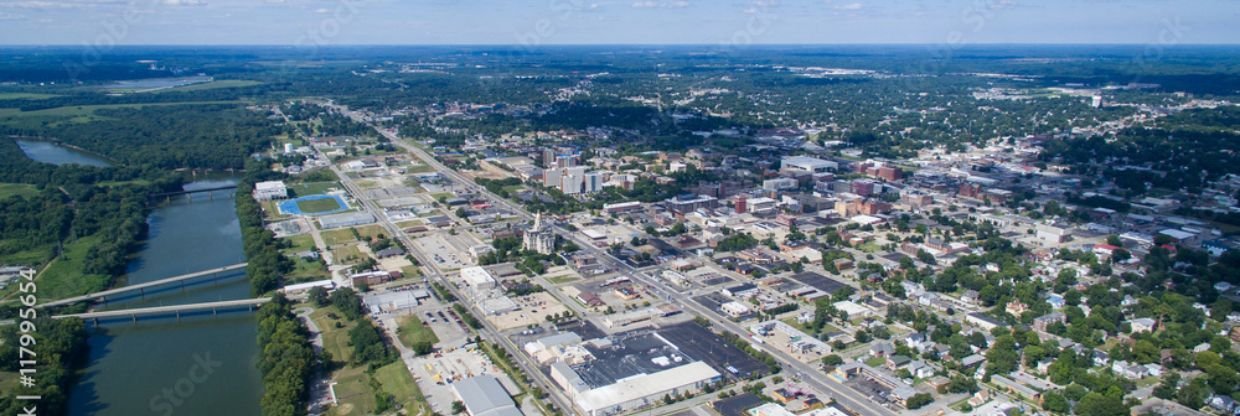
(15,117)
(876,361)
(561,279)
(25,96)
(335,340)
(312,188)
(397,381)
(420,168)
(307,271)
(17,189)
(300,242)
(318,205)
(353,392)
(410,272)
(412,330)
(348,255)
(64,276)
(372,231)
(225,83)
(338,236)
(30,256)
(135,182)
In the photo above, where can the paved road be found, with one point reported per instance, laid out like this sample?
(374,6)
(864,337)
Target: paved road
(488,330)
(809,374)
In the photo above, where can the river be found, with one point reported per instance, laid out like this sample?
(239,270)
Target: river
(196,366)
(48,152)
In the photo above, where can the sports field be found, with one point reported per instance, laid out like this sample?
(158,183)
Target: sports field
(314,205)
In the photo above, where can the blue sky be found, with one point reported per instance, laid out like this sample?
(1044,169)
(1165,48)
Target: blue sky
(548,22)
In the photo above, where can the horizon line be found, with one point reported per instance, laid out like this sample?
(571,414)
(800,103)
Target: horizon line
(546,45)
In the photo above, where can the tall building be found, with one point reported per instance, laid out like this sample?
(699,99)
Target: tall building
(539,238)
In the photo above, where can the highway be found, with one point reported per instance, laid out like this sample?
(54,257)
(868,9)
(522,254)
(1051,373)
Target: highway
(810,374)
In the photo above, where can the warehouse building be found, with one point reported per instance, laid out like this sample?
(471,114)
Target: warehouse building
(484,396)
(348,219)
(631,372)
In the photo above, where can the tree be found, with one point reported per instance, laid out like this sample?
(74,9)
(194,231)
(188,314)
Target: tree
(1096,404)
(1003,357)
(458,407)
(832,361)
(348,302)
(318,296)
(918,401)
(1054,401)
(1193,394)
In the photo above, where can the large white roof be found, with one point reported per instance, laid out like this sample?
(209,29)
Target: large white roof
(638,387)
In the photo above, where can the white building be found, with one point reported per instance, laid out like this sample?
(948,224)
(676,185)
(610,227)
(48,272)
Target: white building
(633,392)
(266,191)
(807,164)
(539,238)
(477,278)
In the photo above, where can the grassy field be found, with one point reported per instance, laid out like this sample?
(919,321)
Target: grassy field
(25,96)
(410,271)
(318,205)
(312,188)
(225,83)
(561,279)
(64,276)
(300,242)
(353,392)
(371,231)
(335,340)
(348,255)
(354,386)
(412,330)
(135,182)
(75,114)
(338,236)
(30,257)
(397,381)
(306,271)
(14,189)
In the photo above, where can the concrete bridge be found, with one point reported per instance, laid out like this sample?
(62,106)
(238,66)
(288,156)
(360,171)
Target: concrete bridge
(169,195)
(172,310)
(142,287)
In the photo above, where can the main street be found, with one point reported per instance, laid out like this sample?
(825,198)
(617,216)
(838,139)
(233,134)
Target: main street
(488,331)
(810,374)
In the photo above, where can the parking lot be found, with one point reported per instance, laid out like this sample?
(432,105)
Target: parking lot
(434,374)
(532,309)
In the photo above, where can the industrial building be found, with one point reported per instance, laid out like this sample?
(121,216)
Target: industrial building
(628,372)
(348,219)
(484,396)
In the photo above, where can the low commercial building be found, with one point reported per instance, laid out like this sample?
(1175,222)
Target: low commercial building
(348,219)
(643,390)
(269,190)
(484,396)
(477,278)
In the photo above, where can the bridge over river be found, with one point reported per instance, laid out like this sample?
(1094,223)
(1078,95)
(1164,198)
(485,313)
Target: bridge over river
(142,287)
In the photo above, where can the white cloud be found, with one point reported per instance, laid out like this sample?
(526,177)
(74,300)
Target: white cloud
(183,2)
(59,4)
(849,7)
(665,4)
